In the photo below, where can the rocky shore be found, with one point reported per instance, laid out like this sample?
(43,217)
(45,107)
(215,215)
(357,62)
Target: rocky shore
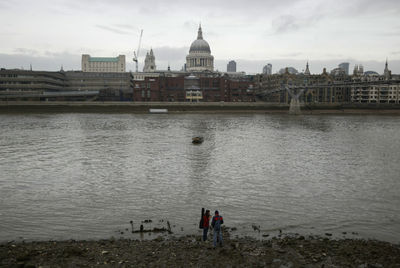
(190,251)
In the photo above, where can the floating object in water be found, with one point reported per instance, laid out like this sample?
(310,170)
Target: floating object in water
(197,140)
(158,111)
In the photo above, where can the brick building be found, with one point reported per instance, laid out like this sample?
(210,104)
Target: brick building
(208,88)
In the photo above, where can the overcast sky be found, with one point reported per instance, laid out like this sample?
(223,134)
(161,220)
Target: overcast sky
(51,33)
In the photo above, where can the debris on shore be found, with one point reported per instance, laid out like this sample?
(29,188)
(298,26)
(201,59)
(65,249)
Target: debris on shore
(190,251)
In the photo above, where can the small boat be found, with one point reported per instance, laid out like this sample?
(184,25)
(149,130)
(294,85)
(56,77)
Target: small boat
(158,111)
(197,140)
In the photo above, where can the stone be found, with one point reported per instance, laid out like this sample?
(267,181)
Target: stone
(287,265)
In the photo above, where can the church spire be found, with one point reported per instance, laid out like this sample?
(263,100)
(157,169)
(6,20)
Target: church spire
(307,71)
(200,33)
(387,73)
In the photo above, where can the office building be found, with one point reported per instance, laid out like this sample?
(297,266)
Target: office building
(267,69)
(345,67)
(231,67)
(103,64)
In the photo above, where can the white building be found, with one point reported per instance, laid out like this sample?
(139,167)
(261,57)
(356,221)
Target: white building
(103,64)
(199,58)
(149,62)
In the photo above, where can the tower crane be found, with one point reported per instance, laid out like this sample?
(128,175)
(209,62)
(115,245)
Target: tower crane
(136,53)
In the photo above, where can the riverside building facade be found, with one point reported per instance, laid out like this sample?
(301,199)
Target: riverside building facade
(382,89)
(29,85)
(103,64)
(71,85)
(207,87)
(333,88)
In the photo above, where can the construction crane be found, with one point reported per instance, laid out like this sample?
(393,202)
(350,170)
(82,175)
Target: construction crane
(136,53)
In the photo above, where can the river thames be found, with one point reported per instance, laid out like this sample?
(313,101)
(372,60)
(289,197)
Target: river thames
(86,176)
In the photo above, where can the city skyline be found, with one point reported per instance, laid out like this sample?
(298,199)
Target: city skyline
(285,33)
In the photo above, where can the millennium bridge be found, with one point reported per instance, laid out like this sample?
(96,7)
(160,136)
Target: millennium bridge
(295,91)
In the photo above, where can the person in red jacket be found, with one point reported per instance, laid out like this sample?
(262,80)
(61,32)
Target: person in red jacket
(206,224)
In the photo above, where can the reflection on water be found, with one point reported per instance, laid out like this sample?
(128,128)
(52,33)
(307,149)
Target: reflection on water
(88,175)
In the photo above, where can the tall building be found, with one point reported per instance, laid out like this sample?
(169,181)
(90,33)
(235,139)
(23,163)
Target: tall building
(231,67)
(387,73)
(338,72)
(103,64)
(199,58)
(307,71)
(358,70)
(267,69)
(345,67)
(149,62)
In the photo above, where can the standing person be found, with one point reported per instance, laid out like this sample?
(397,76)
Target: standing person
(216,222)
(206,224)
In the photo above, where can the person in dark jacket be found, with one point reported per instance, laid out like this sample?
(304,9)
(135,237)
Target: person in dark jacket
(216,222)
(206,224)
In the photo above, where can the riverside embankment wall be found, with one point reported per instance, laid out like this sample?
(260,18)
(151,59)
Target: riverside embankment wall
(143,107)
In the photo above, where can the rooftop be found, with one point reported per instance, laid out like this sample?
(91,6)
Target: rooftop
(103,59)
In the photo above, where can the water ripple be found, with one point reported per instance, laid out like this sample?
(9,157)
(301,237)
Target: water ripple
(87,175)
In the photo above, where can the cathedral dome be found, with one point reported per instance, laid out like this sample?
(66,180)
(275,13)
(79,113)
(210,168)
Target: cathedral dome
(199,58)
(200,45)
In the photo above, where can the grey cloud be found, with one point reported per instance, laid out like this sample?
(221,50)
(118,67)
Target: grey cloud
(333,55)
(43,63)
(291,55)
(166,53)
(252,8)
(359,7)
(289,23)
(392,31)
(116,29)
(285,23)
(6,4)
(26,51)
(190,24)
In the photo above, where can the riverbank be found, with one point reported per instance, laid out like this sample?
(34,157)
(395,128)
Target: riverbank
(190,251)
(231,107)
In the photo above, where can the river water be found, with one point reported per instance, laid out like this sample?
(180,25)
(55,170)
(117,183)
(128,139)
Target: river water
(86,176)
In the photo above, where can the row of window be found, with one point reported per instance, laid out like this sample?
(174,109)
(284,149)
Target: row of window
(102,70)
